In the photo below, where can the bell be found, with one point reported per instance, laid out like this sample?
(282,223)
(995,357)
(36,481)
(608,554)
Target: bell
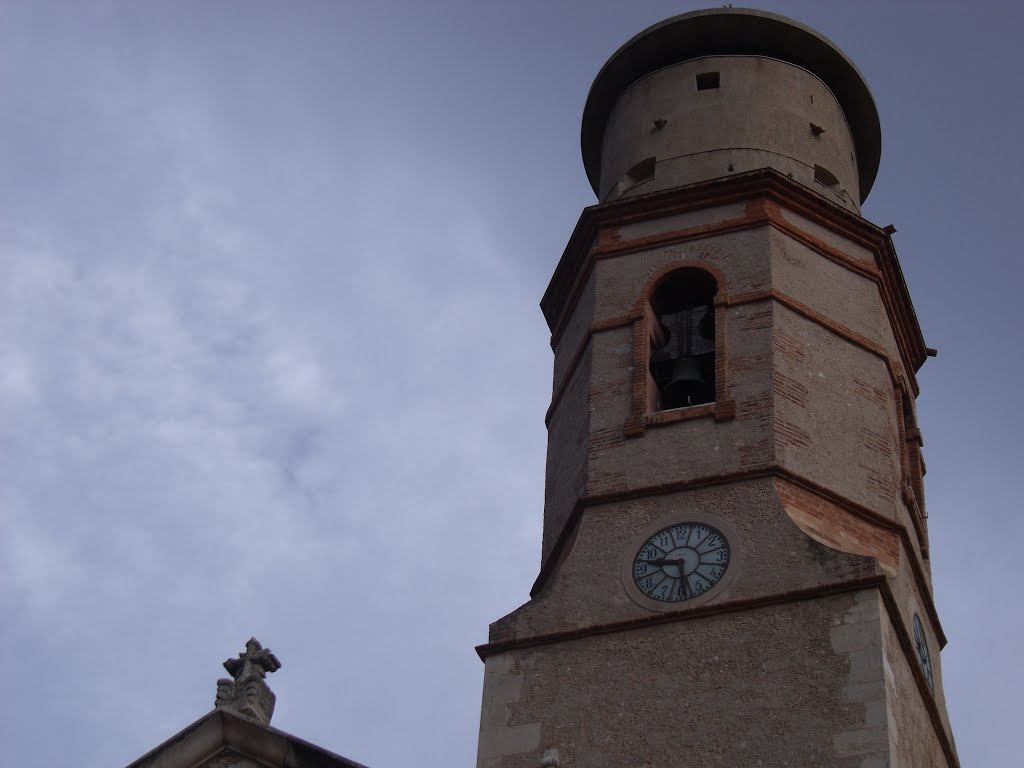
(687,385)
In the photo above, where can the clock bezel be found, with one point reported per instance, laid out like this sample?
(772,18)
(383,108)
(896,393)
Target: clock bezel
(681,517)
(919,637)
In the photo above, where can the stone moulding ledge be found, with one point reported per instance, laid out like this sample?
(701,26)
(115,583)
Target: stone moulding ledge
(778,473)
(670,617)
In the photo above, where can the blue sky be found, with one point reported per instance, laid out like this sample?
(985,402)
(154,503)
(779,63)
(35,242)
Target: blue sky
(271,360)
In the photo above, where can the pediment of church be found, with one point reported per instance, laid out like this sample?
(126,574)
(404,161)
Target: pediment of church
(237,733)
(223,739)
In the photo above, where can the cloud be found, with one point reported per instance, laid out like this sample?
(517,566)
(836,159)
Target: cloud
(252,385)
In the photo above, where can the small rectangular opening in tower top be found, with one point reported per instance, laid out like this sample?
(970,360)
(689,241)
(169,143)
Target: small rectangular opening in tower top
(642,170)
(707,80)
(825,177)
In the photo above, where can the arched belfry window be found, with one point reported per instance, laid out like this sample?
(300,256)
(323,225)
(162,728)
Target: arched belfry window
(682,340)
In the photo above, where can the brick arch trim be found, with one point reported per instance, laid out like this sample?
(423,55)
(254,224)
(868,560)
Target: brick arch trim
(659,275)
(722,408)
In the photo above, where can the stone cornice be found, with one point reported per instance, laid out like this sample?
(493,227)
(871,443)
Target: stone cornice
(589,242)
(221,733)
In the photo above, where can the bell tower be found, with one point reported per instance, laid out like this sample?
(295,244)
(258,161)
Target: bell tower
(735,566)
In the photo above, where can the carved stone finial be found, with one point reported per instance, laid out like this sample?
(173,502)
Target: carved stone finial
(248,693)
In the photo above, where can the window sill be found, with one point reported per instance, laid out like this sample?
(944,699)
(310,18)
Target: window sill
(724,410)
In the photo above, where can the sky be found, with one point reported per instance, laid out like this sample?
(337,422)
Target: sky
(271,360)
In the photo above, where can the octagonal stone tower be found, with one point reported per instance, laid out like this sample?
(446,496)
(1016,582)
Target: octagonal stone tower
(734,569)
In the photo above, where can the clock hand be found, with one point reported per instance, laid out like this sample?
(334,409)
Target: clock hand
(667,561)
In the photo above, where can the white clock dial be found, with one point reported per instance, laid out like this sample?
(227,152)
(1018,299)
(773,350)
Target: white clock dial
(923,655)
(681,562)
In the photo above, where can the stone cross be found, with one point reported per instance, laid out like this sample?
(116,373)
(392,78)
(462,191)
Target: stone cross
(248,693)
(256,660)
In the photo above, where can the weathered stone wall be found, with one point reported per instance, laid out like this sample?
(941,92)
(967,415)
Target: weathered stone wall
(771,558)
(568,428)
(759,116)
(835,420)
(798,684)
(915,741)
(574,335)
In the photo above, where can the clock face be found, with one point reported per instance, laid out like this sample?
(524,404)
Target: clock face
(923,656)
(681,562)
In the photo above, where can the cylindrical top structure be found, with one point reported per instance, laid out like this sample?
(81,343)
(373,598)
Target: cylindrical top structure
(727,90)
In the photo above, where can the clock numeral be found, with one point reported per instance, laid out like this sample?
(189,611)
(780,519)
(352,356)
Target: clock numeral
(712,542)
